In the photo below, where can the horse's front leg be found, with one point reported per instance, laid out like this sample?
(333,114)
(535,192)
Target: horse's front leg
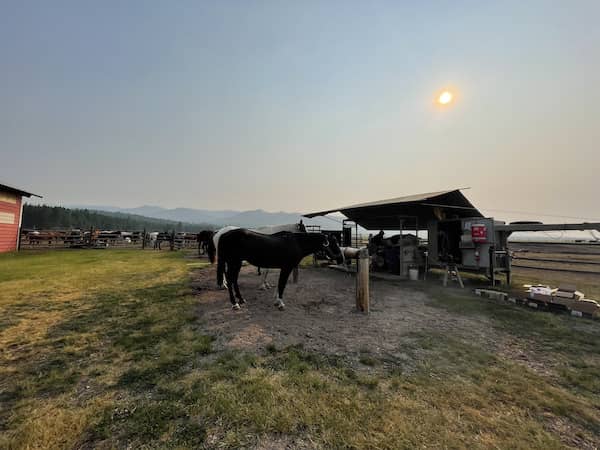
(283,278)
(264,285)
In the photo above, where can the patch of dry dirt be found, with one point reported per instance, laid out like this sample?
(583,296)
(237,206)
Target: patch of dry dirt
(320,314)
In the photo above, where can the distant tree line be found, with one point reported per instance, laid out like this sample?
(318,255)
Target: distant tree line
(56,217)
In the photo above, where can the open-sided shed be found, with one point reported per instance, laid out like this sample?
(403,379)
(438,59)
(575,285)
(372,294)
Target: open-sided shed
(458,233)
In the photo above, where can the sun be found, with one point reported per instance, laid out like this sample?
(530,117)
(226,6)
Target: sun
(445,98)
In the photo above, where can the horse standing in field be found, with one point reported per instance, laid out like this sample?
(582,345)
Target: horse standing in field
(282,251)
(206,245)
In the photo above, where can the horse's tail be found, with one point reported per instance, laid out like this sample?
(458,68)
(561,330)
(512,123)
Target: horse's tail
(211,250)
(220,266)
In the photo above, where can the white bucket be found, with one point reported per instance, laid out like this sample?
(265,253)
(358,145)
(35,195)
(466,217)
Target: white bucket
(413,274)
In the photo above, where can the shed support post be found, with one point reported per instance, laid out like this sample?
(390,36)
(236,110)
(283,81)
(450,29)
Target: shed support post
(401,257)
(417,237)
(362,281)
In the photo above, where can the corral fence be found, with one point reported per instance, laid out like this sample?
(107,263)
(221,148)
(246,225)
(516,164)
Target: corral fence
(93,238)
(573,257)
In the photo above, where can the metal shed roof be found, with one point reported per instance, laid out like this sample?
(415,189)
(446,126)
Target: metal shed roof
(6,187)
(413,210)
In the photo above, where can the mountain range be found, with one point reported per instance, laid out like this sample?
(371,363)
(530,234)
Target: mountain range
(248,219)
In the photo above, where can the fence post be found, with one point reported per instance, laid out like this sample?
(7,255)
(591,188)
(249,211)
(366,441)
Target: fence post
(172,240)
(362,281)
(144,239)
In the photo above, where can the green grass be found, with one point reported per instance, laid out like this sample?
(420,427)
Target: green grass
(105,349)
(84,332)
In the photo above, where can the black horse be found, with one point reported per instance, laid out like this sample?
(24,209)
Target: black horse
(282,251)
(206,244)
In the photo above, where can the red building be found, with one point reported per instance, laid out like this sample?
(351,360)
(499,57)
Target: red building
(11,212)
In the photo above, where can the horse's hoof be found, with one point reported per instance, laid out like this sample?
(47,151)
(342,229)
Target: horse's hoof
(236,307)
(263,287)
(241,301)
(279,304)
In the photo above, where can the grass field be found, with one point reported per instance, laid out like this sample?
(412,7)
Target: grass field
(106,349)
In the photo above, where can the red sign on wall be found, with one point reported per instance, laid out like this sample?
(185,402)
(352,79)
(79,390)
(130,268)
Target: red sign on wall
(479,233)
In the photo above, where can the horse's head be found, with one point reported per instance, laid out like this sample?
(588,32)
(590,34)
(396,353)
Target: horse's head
(332,248)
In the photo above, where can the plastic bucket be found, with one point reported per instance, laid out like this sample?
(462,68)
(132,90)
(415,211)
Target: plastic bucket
(413,274)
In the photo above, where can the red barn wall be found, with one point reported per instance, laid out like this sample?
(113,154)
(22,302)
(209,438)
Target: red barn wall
(10,216)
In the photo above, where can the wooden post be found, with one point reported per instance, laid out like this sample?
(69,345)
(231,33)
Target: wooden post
(144,239)
(172,240)
(362,281)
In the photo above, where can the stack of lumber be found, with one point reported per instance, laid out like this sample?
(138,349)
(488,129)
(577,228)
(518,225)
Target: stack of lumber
(565,296)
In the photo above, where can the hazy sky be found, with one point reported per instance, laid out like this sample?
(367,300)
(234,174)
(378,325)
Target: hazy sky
(301,106)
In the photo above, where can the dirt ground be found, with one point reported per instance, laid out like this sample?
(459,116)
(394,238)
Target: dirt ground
(320,315)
